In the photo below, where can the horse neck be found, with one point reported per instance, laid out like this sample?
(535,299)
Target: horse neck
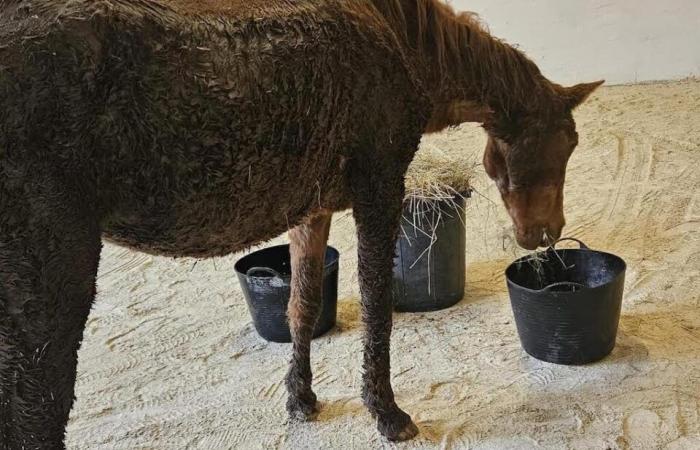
(461,61)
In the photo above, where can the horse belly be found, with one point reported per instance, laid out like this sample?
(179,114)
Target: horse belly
(226,215)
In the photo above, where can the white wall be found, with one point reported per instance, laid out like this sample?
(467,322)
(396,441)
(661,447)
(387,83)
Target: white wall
(584,40)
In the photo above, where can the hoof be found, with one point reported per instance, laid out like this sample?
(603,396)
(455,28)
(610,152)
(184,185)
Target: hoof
(302,408)
(397,427)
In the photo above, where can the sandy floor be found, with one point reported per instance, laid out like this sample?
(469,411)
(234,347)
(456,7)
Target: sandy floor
(170,358)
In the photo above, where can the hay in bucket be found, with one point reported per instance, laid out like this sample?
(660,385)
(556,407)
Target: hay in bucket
(435,173)
(436,182)
(434,179)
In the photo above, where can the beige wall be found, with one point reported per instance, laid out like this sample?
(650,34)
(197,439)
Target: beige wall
(583,40)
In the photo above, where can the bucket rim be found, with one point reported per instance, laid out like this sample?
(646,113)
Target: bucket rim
(332,262)
(544,290)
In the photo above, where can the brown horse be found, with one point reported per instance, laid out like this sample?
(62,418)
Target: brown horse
(200,128)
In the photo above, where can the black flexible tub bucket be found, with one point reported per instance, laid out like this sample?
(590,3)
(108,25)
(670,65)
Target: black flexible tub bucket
(567,303)
(265,278)
(429,264)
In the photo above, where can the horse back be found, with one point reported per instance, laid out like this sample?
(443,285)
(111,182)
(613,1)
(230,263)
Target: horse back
(191,129)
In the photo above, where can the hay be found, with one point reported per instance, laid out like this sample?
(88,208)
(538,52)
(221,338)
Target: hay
(435,183)
(436,180)
(436,174)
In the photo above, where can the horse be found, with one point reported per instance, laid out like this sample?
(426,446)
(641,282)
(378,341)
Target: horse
(202,128)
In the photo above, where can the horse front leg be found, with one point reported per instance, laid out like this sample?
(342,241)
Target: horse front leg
(377,209)
(49,253)
(308,250)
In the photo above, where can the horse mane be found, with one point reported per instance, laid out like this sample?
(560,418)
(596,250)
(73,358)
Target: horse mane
(459,47)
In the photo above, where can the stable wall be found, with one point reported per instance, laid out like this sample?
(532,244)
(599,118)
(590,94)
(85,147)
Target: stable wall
(621,41)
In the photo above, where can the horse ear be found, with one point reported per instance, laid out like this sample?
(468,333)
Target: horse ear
(575,95)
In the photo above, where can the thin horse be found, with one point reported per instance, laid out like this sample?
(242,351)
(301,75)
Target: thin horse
(200,128)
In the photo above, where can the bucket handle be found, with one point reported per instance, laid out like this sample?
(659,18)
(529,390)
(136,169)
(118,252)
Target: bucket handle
(580,243)
(273,272)
(563,283)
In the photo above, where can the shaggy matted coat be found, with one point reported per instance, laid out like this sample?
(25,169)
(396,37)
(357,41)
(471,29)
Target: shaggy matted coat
(199,128)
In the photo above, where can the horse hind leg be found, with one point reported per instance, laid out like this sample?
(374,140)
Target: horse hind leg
(308,249)
(49,253)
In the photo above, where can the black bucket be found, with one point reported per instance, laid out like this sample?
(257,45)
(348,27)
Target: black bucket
(567,303)
(265,278)
(429,264)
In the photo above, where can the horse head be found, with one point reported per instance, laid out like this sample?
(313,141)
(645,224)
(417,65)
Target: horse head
(527,156)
